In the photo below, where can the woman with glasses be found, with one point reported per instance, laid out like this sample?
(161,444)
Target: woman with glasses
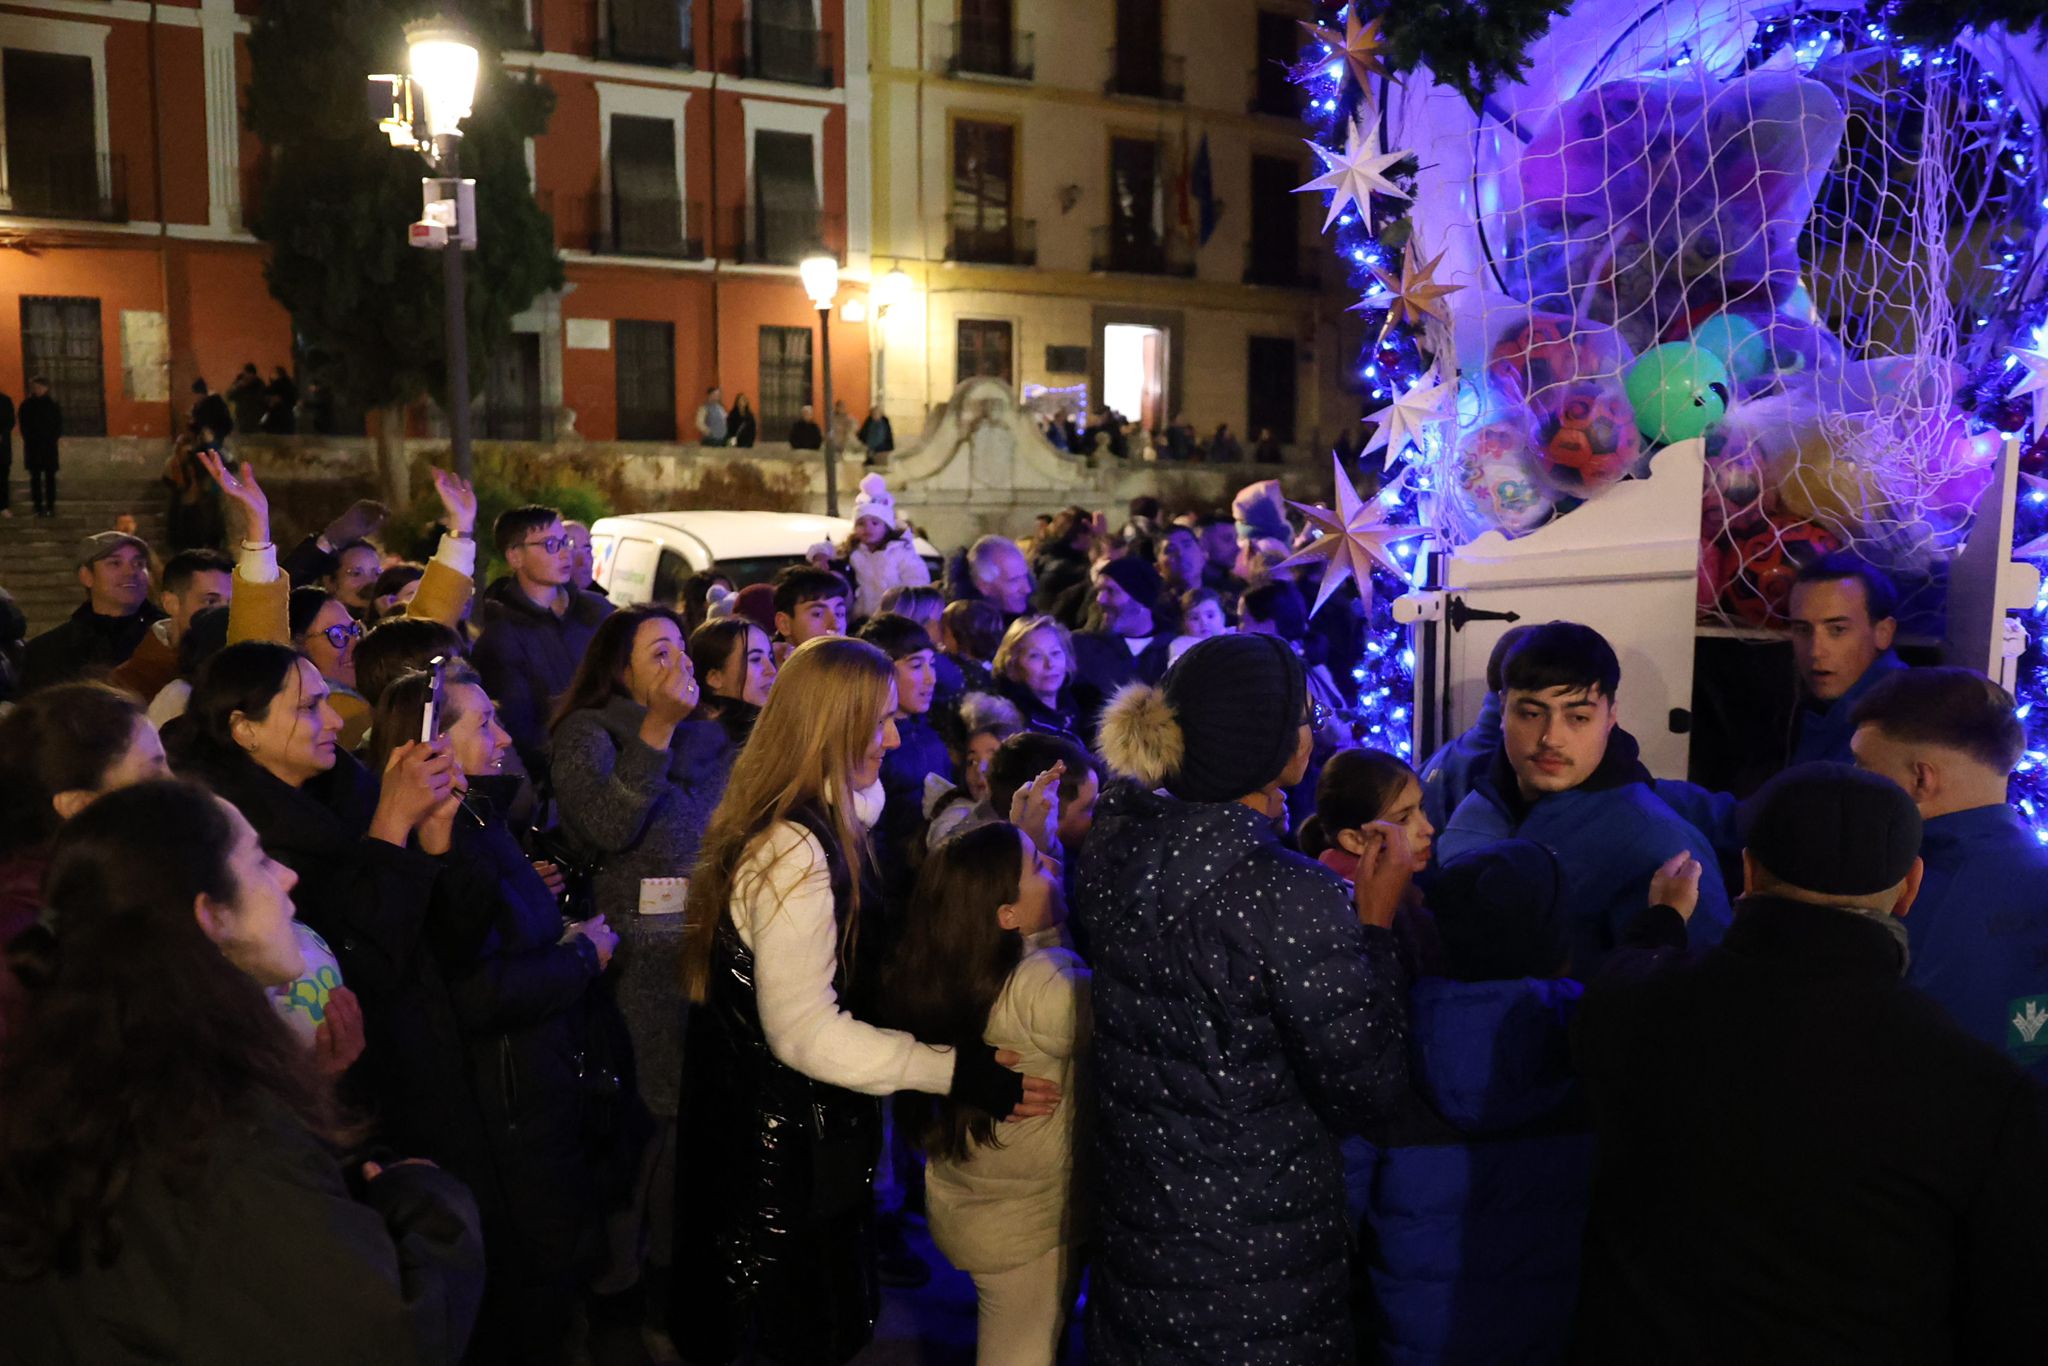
(326,633)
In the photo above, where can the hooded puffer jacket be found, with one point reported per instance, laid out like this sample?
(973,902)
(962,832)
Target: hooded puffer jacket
(1244,1020)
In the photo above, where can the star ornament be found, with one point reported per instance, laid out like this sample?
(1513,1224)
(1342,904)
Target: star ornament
(1355,538)
(1416,296)
(1362,46)
(1355,175)
(2035,360)
(1403,422)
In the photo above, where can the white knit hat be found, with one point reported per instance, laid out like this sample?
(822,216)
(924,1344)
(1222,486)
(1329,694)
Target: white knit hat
(875,501)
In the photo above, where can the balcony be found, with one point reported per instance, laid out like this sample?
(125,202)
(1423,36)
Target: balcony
(984,49)
(778,237)
(1147,75)
(1132,249)
(627,223)
(781,52)
(1279,267)
(49,185)
(981,240)
(645,33)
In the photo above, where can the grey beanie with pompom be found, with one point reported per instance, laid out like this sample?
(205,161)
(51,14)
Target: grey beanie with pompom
(1222,724)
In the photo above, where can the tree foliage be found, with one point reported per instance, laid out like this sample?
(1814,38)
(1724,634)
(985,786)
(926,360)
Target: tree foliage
(336,196)
(1469,46)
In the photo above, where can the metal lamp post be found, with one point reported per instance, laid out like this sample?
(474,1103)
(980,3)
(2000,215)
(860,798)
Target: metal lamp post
(427,110)
(820,274)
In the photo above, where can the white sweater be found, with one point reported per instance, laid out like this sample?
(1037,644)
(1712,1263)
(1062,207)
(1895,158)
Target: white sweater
(782,908)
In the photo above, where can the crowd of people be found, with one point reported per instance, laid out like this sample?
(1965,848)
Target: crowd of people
(398,973)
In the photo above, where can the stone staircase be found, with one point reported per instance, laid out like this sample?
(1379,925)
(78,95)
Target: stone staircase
(36,553)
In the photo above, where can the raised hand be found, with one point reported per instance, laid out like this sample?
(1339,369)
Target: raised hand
(458,502)
(417,779)
(1035,809)
(1384,872)
(1677,884)
(362,521)
(243,492)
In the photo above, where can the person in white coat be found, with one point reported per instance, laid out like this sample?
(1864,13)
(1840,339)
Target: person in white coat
(983,960)
(880,552)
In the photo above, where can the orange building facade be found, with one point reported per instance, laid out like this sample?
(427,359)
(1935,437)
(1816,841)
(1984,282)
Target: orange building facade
(698,149)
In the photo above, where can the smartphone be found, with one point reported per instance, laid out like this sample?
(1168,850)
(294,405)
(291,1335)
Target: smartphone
(438,668)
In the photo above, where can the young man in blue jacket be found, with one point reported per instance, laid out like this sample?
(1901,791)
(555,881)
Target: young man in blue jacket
(1842,630)
(1978,934)
(1569,778)
(1450,772)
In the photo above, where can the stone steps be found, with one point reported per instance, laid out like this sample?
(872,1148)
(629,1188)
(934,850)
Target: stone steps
(35,552)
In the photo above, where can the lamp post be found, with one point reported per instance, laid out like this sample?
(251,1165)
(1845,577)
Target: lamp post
(427,110)
(820,274)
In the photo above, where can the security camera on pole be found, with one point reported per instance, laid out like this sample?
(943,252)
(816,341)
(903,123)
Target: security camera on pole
(424,110)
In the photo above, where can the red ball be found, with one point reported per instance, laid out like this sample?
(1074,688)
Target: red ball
(1763,564)
(1587,441)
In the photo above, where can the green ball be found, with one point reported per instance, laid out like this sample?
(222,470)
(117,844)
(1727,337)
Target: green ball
(1735,342)
(1677,391)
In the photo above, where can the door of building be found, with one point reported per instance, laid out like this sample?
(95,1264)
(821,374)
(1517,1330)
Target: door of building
(60,340)
(646,380)
(512,410)
(1269,388)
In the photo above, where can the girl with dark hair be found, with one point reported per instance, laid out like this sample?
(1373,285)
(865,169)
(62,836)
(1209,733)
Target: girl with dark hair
(981,961)
(1360,793)
(696,597)
(740,426)
(60,749)
(636,780)
(167,1186)
(735,661)
(523,998)
(260,732)
(775,1248)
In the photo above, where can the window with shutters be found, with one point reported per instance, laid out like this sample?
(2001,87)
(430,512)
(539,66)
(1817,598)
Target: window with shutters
(60,341)
(785,378)
(984,183)
(984,348)
(646,363)
(787,223)
(54,167)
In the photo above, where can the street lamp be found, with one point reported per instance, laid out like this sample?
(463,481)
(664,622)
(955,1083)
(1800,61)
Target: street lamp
(426,110)
(820,274)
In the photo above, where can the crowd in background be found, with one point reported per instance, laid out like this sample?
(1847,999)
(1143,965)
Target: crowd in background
(400,972)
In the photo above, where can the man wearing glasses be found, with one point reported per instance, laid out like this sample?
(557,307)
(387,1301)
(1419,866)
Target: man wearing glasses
(535,626)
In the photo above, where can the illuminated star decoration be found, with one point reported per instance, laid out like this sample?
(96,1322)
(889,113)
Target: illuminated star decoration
(1354,539)
(1403,422)
(1413,298)
(1355,174)
(1362,46)
(2035,381)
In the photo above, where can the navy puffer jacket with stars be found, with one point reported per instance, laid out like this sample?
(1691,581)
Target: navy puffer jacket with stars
(1243,1022)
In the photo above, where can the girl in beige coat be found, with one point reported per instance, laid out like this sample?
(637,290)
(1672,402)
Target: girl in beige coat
(982,959)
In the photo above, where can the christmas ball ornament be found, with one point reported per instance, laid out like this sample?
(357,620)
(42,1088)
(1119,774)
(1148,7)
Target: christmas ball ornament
(1587,441)
(1677,391)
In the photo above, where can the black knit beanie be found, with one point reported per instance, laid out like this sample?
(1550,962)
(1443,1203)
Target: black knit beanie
(1498,913)
(1833,829)
(1240,702)
(1136,577)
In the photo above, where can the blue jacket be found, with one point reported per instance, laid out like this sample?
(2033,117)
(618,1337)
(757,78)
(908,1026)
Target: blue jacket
(1474,1200)
(1822,731)
(1979,930)
(1610,834)
(1452,770)
(1243,1020)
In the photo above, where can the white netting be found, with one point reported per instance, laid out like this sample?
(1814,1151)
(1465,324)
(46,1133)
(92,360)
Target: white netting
(1772,226)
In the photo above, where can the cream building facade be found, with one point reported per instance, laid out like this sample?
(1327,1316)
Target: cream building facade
(1093,201)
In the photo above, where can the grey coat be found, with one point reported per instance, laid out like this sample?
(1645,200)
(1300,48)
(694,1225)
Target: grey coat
(641,812)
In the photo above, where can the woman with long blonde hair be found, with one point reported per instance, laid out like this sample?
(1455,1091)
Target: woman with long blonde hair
(781,1076)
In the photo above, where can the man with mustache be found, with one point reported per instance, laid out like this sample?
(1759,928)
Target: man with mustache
(1567,777)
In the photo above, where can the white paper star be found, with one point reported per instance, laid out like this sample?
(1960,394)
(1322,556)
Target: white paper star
(1355,175)
(2035,381)
(1401,424)
(1355,537)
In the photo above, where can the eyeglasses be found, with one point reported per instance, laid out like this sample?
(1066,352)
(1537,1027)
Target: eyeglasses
(340,636)
(1318,715)
(553,545)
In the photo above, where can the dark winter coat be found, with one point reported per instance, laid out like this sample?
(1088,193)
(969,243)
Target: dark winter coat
(1474,1196)
(1610,833)
(774,1249)
(919,754)
(1104,665)
(6,430)
(740,428)
(267,1257)
(640,812)
(528,655)
(211,412)
(1063,720)
(1802,1159)
(1979,930)
(369,900)
(1243,1021)
(87,645)
(1821,730)
(42,429)
(805,436)
(1057,568)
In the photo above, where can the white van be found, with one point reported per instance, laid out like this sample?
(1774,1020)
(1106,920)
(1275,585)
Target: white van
(646,557)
